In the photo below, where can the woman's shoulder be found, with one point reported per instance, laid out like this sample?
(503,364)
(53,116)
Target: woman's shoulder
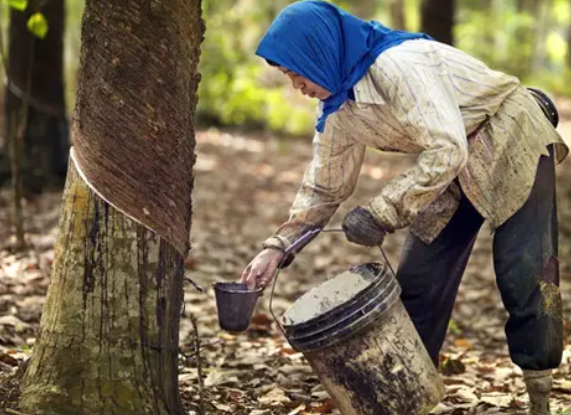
(422,57)
(396,60)
(385,76)
(402,66)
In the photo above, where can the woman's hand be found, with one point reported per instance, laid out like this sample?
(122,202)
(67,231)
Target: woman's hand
(262,268)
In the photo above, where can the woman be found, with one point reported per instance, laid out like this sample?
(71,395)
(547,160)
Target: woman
(486,152)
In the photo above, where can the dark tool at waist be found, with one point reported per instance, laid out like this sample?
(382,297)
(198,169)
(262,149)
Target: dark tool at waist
(546,105)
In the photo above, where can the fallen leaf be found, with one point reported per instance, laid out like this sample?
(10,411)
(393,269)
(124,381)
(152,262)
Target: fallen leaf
(499,400)
(219,377)
(262,320)
(222,407)
(563,386)
(441,409)
(463,343)
(274,397)
(452,367)
(8,359)
(288,350)
(190,263)
(464,394)
(297,410)
(327,407)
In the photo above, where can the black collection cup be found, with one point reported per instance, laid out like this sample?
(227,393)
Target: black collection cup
(235,303)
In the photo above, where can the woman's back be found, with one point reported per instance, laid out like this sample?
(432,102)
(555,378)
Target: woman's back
(478,90)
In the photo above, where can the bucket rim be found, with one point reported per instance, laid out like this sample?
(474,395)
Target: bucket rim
(383,298)
(330,338)
(380,278)
(220,287)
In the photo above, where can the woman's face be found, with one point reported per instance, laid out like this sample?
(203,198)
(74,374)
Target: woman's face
(306,87)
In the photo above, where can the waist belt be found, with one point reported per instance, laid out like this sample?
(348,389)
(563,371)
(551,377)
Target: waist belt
(546,105)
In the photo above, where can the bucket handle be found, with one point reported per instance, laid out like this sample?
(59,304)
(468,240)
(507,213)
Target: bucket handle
(299,242)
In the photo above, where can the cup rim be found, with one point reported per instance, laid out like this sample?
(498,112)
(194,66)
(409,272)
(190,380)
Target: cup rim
(219,286)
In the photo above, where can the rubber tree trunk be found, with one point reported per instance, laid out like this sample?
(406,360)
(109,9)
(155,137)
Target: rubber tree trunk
(438,19)
(37,65)
(108,340)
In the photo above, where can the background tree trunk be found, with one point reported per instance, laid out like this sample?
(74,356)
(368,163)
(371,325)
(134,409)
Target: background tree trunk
(397,15)
(568,57)
(438,19)
(365,9)
(542,27)
(109,331)
(38,65)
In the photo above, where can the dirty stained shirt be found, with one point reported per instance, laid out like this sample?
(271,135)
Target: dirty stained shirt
(474,130)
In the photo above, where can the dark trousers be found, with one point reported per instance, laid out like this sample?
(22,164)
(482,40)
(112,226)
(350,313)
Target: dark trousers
(525,251)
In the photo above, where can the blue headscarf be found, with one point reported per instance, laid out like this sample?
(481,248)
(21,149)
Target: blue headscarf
(328,46)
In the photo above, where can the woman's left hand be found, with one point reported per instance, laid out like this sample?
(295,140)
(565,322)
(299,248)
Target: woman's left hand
(361,228)
(261,270)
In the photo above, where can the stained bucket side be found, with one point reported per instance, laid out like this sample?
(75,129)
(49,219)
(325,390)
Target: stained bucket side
(384,370)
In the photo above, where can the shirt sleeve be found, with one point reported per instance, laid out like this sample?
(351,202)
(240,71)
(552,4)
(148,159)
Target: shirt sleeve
(423,101)
(328,181)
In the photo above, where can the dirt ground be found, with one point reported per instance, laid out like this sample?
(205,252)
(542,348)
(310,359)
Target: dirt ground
(244,186)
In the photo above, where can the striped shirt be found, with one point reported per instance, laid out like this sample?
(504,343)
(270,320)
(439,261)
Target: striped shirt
(474,129)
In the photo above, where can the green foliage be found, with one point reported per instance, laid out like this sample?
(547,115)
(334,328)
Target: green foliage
(239,88)
(233,90)
(19,5)
(526,38)
(38,25)
(454,329)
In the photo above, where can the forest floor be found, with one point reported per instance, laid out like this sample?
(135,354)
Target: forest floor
(244,186)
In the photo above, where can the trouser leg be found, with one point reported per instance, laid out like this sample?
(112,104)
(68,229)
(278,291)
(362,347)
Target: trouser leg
(430,275)
(527,271)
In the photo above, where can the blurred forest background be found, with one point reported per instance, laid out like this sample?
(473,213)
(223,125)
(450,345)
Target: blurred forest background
(530,39)
(527,38)
(247,102)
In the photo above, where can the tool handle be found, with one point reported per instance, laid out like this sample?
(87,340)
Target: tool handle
(301,241)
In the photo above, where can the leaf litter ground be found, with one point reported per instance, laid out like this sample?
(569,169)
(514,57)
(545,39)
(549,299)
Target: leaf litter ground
(244,186)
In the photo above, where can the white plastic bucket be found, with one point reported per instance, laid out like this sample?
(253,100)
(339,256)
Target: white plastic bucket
(356,334)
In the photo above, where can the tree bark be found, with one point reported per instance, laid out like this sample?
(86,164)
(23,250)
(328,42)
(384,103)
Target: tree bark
(108,341)
(36,65)
(109,330)
(438,19)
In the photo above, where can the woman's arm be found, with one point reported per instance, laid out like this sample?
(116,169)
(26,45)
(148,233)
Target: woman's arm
(424,102)
(329,180)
